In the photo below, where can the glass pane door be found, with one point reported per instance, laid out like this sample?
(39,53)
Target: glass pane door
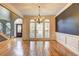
(32,30)
(19,30)
(47,30)
(39,30)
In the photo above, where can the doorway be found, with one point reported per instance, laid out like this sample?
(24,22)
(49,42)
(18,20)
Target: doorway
(18,27)
(18,30)
(41,30)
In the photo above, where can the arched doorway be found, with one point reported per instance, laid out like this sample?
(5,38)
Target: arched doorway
(18,27)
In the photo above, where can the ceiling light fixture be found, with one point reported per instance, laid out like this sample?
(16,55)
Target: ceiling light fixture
(39,18)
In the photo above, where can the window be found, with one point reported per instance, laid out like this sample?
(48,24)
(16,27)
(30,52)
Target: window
(8,28)
(1,27)
(40,30)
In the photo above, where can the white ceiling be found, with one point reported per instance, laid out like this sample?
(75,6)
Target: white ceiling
(31,9)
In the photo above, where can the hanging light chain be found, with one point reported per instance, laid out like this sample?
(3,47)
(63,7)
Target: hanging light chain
(38,15)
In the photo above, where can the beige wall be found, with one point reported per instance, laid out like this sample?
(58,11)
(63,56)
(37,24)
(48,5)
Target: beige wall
(52,28)
(26,27)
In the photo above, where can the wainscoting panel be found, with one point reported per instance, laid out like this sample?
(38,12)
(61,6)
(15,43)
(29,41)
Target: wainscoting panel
(69,41)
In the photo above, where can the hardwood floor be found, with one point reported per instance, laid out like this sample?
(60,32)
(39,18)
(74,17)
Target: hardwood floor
(17,47)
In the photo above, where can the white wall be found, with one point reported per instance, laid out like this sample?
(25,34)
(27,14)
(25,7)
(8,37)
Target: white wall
(10,7)
(69,41)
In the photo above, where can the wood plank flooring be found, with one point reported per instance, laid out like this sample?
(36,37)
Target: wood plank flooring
(17,47)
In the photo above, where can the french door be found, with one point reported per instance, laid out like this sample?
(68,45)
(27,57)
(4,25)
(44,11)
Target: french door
(40,30)
(18,30)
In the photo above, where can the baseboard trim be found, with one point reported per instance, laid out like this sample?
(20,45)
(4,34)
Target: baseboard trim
(39,40)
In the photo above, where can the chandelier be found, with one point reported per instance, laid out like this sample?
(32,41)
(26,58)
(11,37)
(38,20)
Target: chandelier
(39,18)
